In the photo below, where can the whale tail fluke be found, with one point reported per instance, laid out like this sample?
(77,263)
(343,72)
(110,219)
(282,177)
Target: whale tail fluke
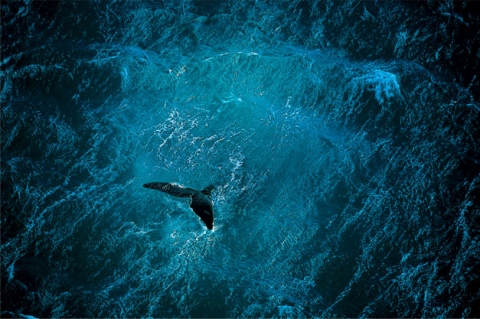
(200,201)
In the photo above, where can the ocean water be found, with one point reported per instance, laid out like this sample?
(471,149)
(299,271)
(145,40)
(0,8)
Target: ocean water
(342,139)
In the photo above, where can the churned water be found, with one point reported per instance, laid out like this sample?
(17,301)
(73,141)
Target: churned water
(342,139)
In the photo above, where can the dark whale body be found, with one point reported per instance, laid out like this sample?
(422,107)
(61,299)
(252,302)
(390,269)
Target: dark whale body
(200,201)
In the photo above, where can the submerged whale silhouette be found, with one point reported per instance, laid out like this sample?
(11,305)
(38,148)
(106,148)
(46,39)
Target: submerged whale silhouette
(200,201)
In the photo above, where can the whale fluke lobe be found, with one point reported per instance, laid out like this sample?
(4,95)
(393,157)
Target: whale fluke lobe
(171,189)
(200,201)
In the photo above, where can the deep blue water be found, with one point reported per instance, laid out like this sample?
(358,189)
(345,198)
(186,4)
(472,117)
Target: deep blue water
(342,138)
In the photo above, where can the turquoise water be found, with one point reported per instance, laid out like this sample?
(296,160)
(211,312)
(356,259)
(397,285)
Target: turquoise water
(345,185)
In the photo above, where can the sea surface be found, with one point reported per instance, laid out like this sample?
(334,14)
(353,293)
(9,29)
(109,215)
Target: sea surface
(342,138)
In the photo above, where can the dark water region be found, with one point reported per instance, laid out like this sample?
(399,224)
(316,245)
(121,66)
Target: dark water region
(342,138)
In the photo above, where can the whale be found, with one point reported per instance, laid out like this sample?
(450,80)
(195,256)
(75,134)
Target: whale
(200,201)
